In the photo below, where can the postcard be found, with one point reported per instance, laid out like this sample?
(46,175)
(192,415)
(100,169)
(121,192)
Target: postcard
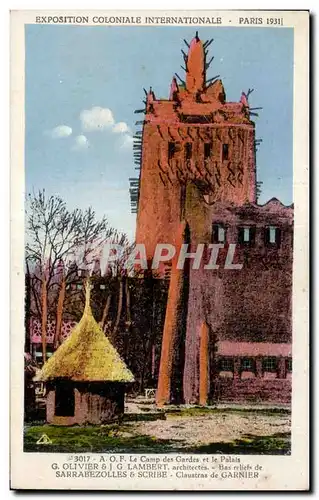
(159,235)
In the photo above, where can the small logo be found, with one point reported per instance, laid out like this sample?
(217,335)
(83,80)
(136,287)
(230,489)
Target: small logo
(44,439)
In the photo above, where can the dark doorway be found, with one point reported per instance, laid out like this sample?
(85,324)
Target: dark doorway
(64,400)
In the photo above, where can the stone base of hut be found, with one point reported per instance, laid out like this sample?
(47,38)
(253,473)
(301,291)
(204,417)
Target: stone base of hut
(71,403)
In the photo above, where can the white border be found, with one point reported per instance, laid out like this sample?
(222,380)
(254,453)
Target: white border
(292,470)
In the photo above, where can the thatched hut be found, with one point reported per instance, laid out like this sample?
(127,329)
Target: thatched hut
(85,378)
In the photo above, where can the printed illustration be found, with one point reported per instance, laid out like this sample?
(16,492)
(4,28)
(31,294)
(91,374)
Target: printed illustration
(159,234)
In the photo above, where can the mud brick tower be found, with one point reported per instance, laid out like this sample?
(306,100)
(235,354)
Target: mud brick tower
(195,136)
(227,333)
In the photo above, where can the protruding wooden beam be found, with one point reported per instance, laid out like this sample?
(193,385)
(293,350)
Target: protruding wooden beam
(209,62)
(212,79)
(207,43)
(184,55)
(180,79)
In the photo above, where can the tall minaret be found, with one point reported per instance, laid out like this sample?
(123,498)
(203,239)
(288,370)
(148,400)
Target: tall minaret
(194,137)
(194,142)
(195,75)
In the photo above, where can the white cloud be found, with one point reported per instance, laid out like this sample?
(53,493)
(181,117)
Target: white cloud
(60,131)
(96,118)
(120,128)
(80,142)
(127,141)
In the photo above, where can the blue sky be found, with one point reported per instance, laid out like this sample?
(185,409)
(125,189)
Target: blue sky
(83,84)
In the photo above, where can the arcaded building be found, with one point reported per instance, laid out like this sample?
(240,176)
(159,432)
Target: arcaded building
(228,332)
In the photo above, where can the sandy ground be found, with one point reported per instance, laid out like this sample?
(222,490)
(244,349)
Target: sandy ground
(214,428)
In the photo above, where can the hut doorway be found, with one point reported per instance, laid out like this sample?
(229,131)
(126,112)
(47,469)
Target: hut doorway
(64,400)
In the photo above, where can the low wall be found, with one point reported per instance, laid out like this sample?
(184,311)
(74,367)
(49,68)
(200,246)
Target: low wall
(252,390)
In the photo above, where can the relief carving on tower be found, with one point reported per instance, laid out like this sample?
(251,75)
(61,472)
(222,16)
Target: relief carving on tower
(195,136)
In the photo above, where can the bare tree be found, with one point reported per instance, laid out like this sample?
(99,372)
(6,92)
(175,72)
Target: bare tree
(92,234)
(116,271)
(54,236)
(51,233)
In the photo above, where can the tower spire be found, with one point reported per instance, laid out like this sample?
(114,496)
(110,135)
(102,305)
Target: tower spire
(195,76)
(173,89)
(87,308)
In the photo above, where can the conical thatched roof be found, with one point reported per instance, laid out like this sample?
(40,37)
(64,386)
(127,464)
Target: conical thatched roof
(86,355)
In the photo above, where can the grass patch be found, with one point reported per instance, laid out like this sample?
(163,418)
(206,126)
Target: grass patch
(276,444)
(188,412)
(116,438)
(144,417)
(124,436)
(197,411)
(96,439)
